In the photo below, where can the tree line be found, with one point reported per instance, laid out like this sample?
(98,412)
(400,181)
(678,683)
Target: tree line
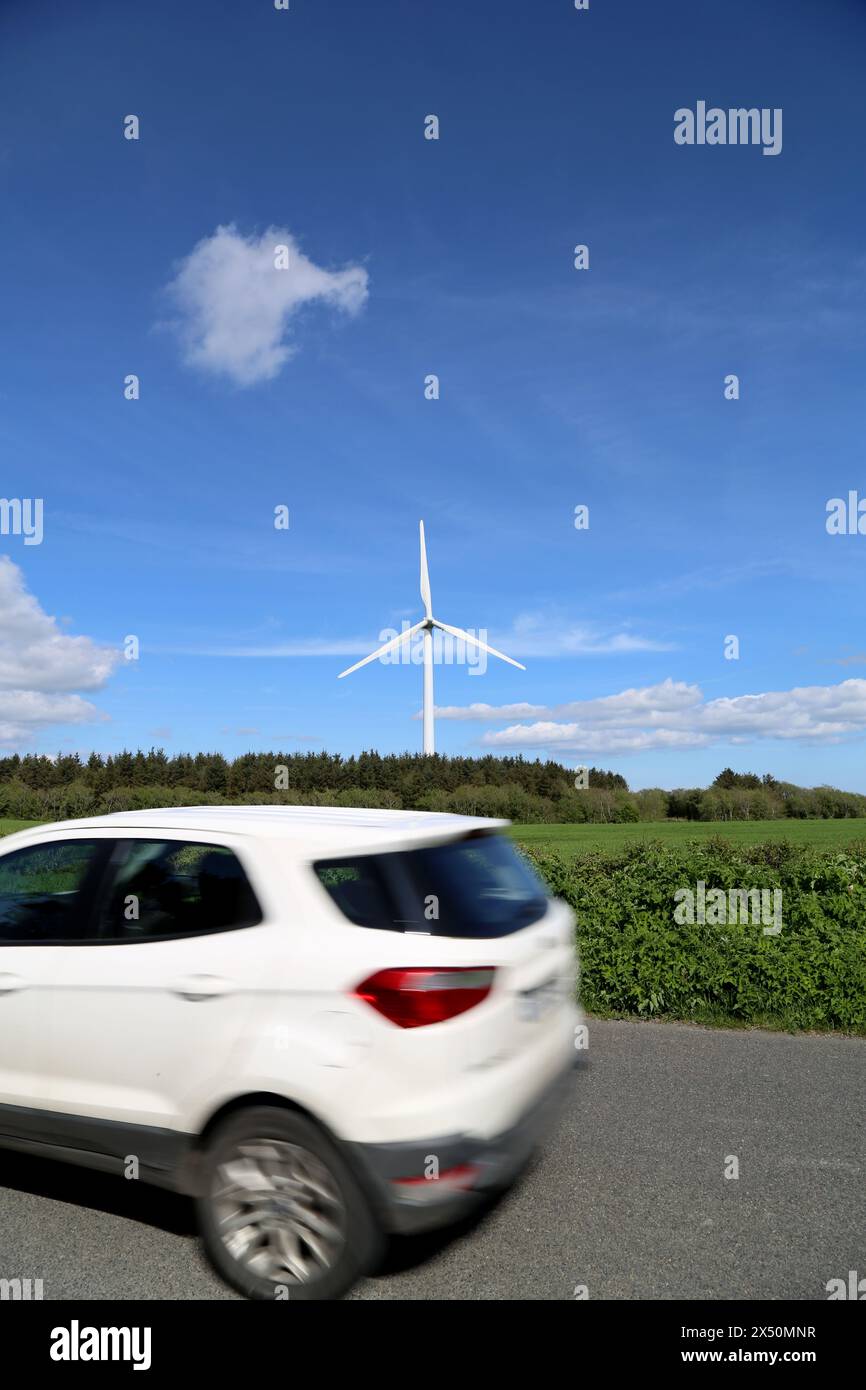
(40,787)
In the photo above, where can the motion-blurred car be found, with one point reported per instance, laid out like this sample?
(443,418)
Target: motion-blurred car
(323,1025)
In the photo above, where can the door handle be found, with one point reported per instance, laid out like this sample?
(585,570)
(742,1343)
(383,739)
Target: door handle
(10,983)
(196,988)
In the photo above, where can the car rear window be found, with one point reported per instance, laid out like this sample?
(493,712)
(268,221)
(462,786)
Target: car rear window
(478,886)
(361,890)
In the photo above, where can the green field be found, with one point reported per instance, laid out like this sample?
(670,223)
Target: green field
(8,827)
(574,839)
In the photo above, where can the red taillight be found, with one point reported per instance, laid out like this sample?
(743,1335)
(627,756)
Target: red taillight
(414,997)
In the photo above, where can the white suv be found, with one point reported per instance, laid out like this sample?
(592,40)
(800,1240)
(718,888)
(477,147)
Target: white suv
(321,1024)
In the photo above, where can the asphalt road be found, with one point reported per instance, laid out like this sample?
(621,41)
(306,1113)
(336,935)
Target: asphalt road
(628,1197)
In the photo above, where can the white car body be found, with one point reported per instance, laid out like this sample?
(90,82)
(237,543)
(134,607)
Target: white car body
(146,1041)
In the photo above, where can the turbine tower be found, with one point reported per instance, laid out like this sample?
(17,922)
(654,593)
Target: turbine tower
(426,625)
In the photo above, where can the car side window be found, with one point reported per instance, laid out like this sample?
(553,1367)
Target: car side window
(45,892)
(171,888)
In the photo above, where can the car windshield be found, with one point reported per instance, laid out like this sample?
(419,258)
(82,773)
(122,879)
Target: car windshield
(478,886)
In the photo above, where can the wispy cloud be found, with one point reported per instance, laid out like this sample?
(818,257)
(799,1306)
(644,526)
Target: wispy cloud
(537,635)
(855,659)
(235,305)
(301,647)
(529,636)
(251,544)
(710,577)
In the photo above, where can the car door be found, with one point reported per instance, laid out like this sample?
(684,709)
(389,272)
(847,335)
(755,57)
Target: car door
(152,1010)
(47,892)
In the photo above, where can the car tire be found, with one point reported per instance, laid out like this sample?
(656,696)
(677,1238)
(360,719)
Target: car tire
(280,1212)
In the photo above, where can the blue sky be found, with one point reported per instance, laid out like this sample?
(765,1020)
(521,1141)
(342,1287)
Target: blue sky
(557,387)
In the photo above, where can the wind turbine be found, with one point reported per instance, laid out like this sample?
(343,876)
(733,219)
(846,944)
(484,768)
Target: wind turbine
(426,625)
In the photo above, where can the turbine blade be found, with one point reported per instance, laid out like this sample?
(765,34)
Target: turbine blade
(476,642)
(425,575)
(380,651)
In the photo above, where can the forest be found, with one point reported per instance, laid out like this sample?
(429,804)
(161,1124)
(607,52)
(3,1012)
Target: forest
(524,790)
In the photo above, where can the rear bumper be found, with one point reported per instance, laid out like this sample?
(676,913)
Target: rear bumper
(422,1185)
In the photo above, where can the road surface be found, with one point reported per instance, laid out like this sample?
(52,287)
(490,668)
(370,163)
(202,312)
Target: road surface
(628,1199)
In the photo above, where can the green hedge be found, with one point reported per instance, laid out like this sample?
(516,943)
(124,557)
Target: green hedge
(637,960)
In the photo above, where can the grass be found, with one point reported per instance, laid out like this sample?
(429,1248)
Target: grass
(574,839)
(8,827)
(571,840)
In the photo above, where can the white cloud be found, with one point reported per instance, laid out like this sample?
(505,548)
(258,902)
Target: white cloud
(522,710)
(675,715)
(24,712)
(40,666)
(235,307)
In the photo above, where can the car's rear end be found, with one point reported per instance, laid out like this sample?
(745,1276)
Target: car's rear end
(468,1004)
